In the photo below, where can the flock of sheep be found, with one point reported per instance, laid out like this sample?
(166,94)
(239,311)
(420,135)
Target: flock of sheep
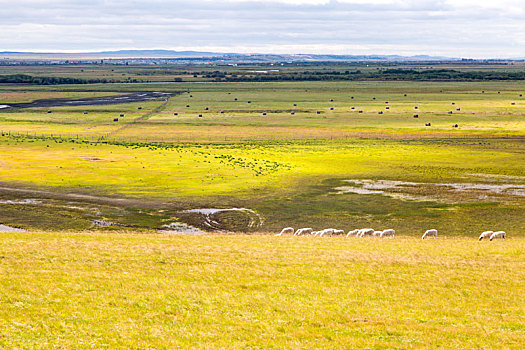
(370,232)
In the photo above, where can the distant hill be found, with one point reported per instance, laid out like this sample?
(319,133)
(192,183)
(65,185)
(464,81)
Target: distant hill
(118,53)
(216,56)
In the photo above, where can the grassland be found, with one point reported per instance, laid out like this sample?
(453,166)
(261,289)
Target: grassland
(95,270)
(277,164)
(107,290)
(481,113)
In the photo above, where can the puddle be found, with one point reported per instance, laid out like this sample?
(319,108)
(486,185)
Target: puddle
(5,228)
(21,201)
(177,228)
(402,190)
(220,219)
(104,223)
(93,101)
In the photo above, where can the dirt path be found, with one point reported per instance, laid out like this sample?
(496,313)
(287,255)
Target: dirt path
(58,195)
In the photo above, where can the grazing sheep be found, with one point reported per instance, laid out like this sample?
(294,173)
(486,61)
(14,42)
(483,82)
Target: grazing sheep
(285,231)
(485,234)
(388,233)
(430,233)
(365,232)
(339,232)
(326,231)
(498,234)
(303,231)
(377,233)
(352,233)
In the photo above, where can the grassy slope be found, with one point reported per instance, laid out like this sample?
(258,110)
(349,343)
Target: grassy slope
(290,183)
(93,290)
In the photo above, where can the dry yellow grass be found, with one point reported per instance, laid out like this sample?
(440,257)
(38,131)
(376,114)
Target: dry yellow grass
(107,290)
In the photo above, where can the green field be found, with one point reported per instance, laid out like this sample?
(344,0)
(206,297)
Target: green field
(288,168)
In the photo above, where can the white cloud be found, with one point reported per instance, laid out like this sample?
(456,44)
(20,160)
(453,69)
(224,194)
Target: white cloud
(468,28)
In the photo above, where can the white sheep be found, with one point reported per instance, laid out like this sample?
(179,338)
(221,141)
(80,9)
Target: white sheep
(498,234)
(365,232)
(327,231)
(285,231)
(339,232)
(377,233)
(388,233)
(352,233)
(430,233)
(303,231)
(485,234)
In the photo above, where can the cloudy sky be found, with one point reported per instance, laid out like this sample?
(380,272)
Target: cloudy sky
(456,28)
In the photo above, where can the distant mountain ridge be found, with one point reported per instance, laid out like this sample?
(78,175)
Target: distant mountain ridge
(171,54)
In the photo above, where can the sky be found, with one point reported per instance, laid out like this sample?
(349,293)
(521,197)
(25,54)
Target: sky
(452,28)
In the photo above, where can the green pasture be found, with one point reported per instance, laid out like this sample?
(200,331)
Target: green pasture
(287,182)
(285,167)
(480,113)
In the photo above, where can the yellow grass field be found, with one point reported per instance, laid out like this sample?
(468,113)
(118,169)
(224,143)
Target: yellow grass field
(149,291)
